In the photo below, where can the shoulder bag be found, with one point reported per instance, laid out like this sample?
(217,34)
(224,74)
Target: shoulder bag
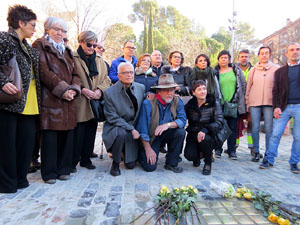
(12,71)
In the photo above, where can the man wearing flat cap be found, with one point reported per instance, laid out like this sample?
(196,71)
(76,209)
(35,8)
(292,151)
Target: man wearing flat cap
(161,121)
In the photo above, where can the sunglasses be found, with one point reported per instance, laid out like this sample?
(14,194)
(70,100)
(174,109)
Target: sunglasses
(91,45)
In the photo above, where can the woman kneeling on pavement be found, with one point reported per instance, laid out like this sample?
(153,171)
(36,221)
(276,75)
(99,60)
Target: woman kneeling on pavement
(205,117)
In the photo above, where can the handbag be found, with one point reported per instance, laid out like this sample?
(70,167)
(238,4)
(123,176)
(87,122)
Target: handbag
(97,105)
(12,71)
(223,134)
(230,109)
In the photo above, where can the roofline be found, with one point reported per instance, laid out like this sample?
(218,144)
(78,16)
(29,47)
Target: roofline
(278,31)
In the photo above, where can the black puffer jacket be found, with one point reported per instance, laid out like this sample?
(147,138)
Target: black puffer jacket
(11,45)
(208,118)
(181,77)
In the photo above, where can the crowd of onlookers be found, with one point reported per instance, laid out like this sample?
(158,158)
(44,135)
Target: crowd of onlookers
(149,106)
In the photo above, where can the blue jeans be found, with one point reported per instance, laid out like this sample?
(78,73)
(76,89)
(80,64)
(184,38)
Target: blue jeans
(292,110)
(268,123)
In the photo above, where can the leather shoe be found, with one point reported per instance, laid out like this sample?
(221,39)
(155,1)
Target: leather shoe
(32,169)
(175,169)
(74,170)
(255,157)
(89,166)
(115,170)
(196,163)
(63,177)
(94,155)
(206,169)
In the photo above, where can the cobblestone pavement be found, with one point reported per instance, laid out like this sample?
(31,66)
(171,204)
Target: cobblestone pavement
(95,197)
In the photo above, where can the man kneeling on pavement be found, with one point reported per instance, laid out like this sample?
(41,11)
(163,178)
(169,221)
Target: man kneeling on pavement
(161,121)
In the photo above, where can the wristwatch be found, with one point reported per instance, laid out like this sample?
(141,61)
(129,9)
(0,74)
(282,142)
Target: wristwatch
(169,125)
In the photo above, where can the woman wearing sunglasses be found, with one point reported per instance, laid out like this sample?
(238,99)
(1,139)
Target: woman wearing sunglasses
(60,87)
(94,80)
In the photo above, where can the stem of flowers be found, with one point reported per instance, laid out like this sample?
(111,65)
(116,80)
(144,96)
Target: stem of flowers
(196,211)
(142,214)
(185,217)
(192,218)
(162,214)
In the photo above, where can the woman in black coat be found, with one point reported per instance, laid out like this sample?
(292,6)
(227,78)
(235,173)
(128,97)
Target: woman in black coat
(204,114)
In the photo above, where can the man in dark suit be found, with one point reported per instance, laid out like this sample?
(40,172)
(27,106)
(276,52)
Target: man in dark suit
(122,105)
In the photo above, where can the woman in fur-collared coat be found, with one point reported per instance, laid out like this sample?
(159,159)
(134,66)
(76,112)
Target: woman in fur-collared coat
(60,87)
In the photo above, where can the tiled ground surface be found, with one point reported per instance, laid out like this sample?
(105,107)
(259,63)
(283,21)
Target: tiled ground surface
(95,197)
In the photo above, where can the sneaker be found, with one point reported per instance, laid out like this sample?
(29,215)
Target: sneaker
(256,157)
(232,156)
(295,169)
(218,153)
(265,164)
(175,169)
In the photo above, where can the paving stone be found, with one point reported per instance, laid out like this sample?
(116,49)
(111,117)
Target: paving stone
(112,209)
(110,222)
(78,213)
(116,189)
(235,211)
(115,197)
(142,197)
(84,202)
(93,186)
(100,200)
(88,194)
(141,187)
(221,211)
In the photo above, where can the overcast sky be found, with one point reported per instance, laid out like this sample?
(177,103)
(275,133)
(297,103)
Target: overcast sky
(266,16)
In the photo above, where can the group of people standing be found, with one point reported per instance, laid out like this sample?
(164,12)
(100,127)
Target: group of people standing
(146,104)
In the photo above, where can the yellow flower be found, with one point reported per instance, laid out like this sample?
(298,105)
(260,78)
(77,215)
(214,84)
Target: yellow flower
(282,221)
(273,218)
(195,191)
(183,188)
(238,195)
(176,189)
(190,186)
(247,196)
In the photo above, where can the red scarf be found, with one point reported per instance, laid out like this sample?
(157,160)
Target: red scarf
(161,100)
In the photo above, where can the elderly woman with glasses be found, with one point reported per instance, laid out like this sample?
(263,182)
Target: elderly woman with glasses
(93,73)
(60,86)
(180,73)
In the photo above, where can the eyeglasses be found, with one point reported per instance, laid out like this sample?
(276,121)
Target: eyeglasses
(59,29)
(101,48)
(32,24)
(91,45)
(126,73)
(176,57)
(132,48)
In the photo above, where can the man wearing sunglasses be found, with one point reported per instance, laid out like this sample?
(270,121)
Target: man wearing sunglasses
(128,56)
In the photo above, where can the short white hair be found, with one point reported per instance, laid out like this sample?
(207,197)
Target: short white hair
(155,52)
(124,64)
(51,21)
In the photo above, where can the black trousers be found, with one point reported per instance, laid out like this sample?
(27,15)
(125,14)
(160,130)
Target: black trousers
(17,138)
(174,139)
(84,142)
(56,153)
(118,147)
(193,148)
